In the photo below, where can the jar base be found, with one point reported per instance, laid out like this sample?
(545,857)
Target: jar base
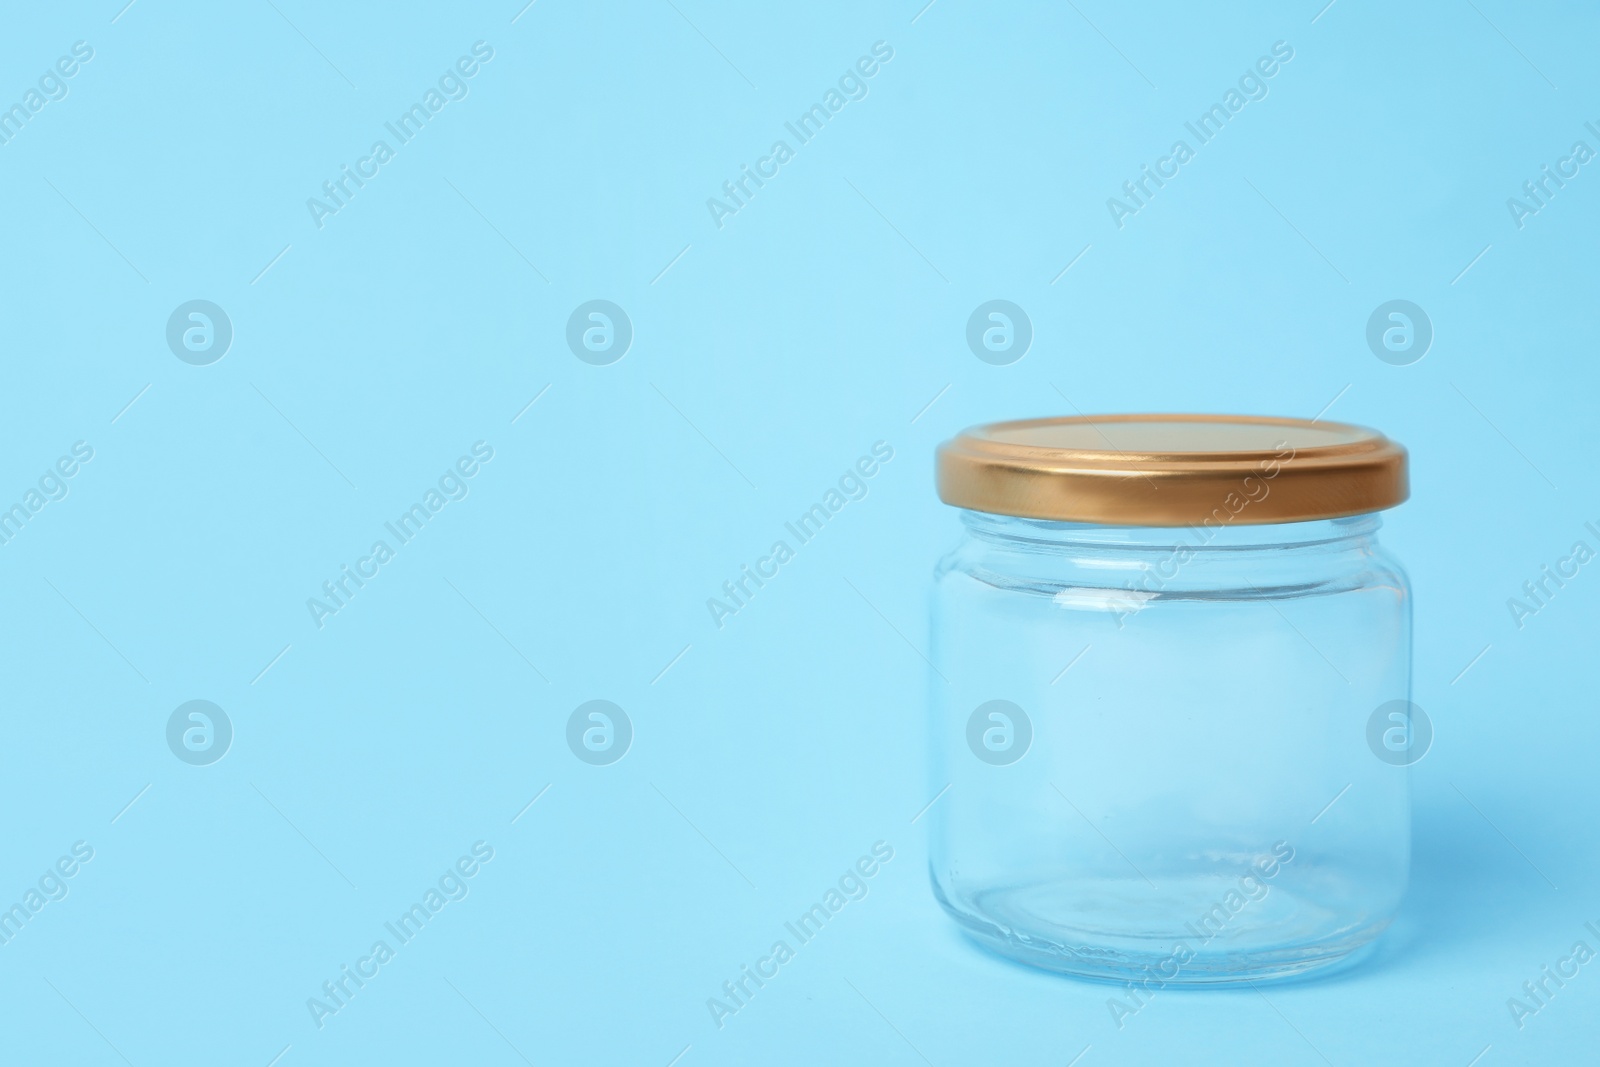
(1287,935)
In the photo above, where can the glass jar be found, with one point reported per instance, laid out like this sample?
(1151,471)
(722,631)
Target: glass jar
(1171,718)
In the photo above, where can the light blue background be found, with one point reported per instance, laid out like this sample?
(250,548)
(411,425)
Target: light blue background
(823,317)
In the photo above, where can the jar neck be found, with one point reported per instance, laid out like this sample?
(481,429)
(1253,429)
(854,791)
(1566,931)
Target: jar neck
(1213,534)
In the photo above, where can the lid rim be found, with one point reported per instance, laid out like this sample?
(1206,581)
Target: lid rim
(1347,470)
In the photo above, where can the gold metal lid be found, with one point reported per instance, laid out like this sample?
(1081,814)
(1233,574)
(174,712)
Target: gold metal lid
(1172,470)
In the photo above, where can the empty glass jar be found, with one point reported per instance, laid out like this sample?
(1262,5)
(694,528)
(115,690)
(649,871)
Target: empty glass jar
(1171,695)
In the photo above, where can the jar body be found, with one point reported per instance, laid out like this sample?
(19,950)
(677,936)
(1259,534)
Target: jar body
(1156,745)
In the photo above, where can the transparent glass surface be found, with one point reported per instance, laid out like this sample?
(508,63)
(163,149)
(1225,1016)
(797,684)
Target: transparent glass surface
(1156,744)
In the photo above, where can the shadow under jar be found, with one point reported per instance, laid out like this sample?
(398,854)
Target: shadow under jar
(1171,702)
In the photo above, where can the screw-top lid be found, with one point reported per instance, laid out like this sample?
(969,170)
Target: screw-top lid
(1172,470)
